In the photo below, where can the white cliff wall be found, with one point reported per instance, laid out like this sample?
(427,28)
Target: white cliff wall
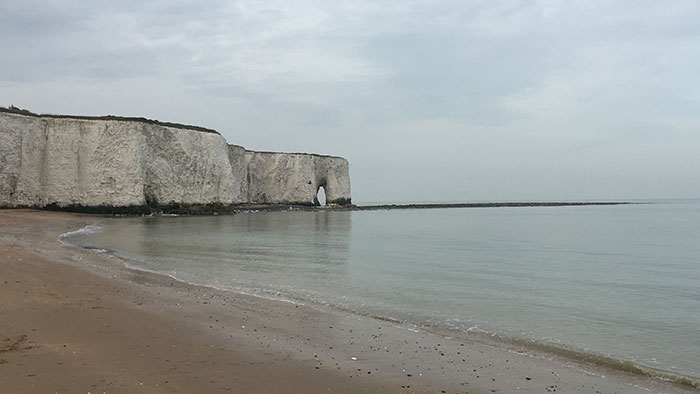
(70,162)
(76,162)
(239,168)
(189,167)
(294,178)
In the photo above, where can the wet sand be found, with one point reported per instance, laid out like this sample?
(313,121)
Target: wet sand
(75,321)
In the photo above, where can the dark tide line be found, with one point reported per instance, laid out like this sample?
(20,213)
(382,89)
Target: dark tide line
(608,362)
(523,346)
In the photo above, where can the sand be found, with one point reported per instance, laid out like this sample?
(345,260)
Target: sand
(75,321)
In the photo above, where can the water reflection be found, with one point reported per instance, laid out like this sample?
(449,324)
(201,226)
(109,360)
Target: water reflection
(316,243)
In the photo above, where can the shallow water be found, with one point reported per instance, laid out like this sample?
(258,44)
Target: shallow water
(621,281)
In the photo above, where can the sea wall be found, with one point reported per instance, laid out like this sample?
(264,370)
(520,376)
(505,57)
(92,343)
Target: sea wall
(78,163)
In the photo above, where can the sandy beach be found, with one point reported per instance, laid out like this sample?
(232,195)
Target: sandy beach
(74,321)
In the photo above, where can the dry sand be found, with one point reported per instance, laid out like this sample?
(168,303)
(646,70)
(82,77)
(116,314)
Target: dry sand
(74,321)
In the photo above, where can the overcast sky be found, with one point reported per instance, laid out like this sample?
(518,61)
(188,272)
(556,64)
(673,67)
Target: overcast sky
(429,100)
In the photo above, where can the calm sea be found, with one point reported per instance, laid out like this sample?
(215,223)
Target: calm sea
(620,281)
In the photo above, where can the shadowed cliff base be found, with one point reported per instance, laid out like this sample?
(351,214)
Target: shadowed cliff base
(345,205)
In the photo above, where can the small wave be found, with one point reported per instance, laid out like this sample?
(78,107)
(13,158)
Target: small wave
(89,229)
(98,250)
(272,295)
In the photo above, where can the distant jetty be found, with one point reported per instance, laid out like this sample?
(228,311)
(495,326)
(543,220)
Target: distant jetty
(487,205)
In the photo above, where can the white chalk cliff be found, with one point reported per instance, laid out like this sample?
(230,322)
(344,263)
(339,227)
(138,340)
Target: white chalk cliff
(80,163)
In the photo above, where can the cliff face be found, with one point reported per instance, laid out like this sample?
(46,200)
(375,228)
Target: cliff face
(71,162)
(292,178)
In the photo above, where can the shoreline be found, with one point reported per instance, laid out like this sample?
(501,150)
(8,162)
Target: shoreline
(76,321)
(437,358)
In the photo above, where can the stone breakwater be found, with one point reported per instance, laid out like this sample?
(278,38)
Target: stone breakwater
(134,165)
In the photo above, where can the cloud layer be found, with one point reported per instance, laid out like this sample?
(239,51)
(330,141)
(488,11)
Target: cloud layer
(430,100)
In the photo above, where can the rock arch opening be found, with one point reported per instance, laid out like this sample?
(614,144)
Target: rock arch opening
(321,195)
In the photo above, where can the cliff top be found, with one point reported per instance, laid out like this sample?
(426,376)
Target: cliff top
(285,153)
(19,111)
(294,153)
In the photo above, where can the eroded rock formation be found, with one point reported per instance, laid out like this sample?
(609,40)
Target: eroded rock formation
(137,164)
(295,178)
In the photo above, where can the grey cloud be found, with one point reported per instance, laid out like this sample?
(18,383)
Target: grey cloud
(432,100)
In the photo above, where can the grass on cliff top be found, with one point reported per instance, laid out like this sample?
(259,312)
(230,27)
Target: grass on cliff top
(19,111)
